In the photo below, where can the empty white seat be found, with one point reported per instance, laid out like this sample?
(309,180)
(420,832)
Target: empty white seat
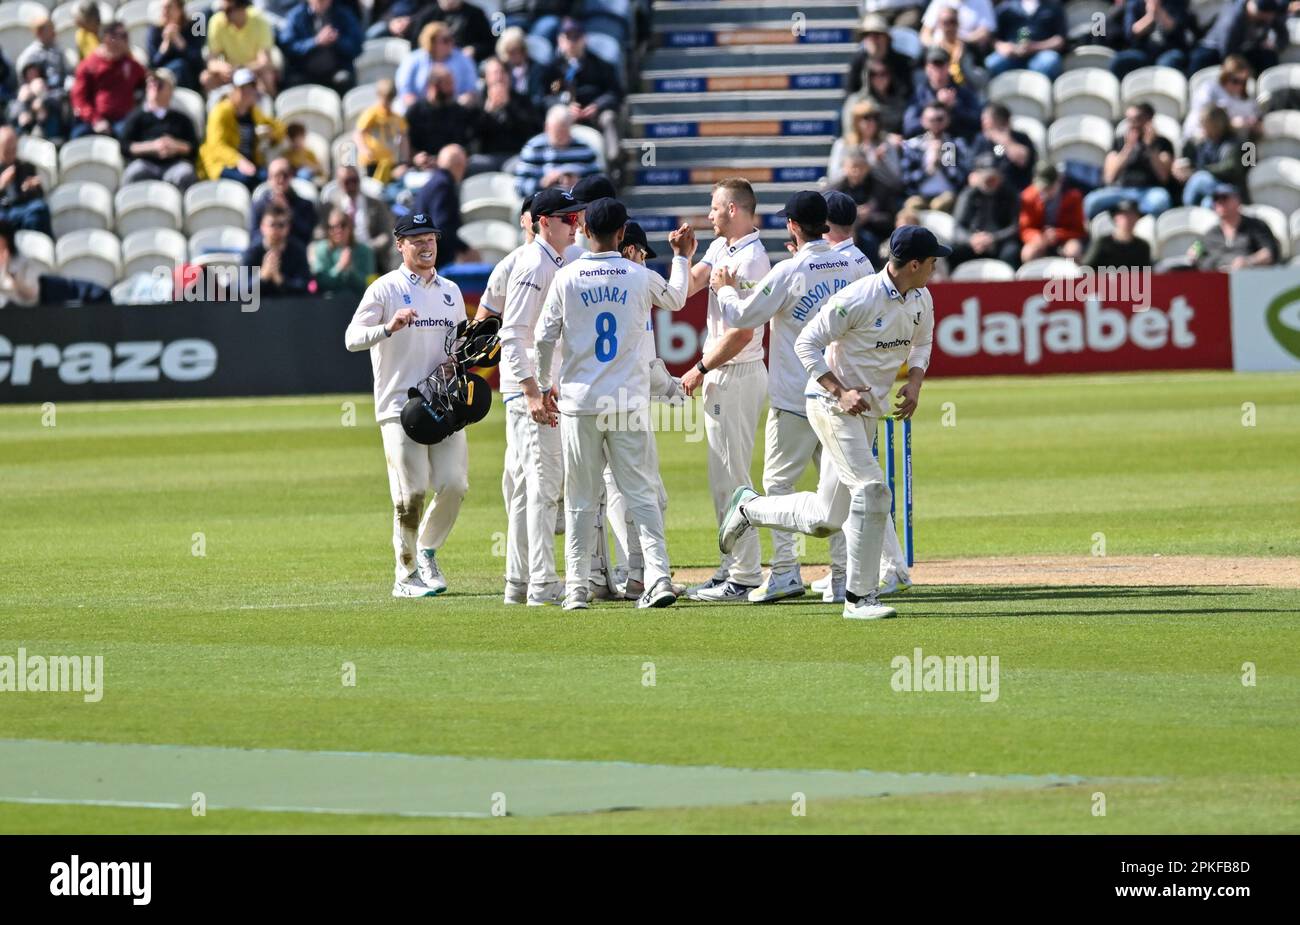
(76,206)
(192,104)
(152,250)
(906,41)
(493,240)
(489,196)
(380,58)
(1276,221)
(985,270)
(1088,56)
(1079,138)
(91,159)
(89,254)
(1036,131)
(138,16)
(1049,268)
(148,204)
(1025,93)
(1276,81)
(1204,75)
(215,203)
(16,25)
(217,240)
(610,50)
(1177,228)
(1089,91)
(37,247)
(1163,87)
(356,101)
(941,223)
(42,155)
(317,108)
(539,49)
(1276,181)
(1281,135)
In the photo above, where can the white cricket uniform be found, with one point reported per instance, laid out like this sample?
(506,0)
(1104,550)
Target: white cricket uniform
(600,306)
(862,335)
(854,253)
(788,297)
(400,361)
(533,449)
(732,397)
(494,294)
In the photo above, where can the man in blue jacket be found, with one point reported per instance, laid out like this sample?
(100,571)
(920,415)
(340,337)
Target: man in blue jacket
(321,40)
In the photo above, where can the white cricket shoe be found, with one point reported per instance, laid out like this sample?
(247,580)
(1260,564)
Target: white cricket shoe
(734,523)
(552,593)
(412,586)
(660,595)
(516,592)
(833,591)
(893,583)
(693,592)
(577,599)
(821,584)
(777,586)
(868,608)
(430,574)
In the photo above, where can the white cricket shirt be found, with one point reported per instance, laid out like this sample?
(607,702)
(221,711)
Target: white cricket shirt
(529,282)
(494,295)
(862,265)
(867,331)
(748,260)
(411,354)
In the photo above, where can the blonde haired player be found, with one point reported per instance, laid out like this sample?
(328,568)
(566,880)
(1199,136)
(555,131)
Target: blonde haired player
(600,305)
(733,381)
(403,319)
(852,351)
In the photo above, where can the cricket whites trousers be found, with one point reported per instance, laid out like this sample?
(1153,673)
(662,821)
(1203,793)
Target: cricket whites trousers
(415,470)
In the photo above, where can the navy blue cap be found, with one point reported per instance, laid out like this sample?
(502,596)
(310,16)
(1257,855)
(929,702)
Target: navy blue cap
(806,207)
(415,223)
(591,188)
(605,216)
(840,207)
(554,201)
(1224,189)
(915,242)
(635,234)
(526,206)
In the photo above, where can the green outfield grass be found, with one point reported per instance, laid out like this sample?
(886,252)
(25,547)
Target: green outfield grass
(242,646)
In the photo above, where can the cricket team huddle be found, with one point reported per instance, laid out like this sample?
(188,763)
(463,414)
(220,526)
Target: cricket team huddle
(568,317)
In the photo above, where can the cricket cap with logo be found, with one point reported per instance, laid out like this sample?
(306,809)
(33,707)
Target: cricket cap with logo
(554,201)
(415,223)
(915,242)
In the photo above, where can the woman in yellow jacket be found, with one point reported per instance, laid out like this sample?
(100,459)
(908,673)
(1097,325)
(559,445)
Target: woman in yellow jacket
(234,147)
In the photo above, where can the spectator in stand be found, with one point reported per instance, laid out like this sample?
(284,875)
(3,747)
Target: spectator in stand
(935,163)
(1031,34)
(1155,32)
(370,216)
(175,44)
(37,109)
(976,22)
(891,96)
(280,194)
(552,153)
(506,123)
(964,59)
(159,143)
(1013,150)
(383,147)
(876,203)
(469,25)
(20,279)
(321,40)
(1238,241)
(241,36)
(584,82)
(1120,248)
(44,53)
(22,198)
(339,262)
(906,13)
(987,217)
(438,120)
(234,147)
(1138,167)
(525,73)
(540,17)
(103,91)
(1211,162)
(281,260)
(440,200)
(89,27)
(866,135)
(1254,29)
(302,158)
(937,89)
(1051,217)
(876,47)
(437,51)
(1227,93)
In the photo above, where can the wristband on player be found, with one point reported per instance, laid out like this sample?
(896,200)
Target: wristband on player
(702,368)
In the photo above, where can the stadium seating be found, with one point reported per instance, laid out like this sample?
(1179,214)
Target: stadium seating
(984,270)
(1098,56)
(91,159)
(492,239)
(193,105)
(37,247)
(42,155)
(941,223)
(358,100)
(89,254)
(1277,81)
(215,204)
(77,206)
(489,196)
(319,109)
(1049,268)
(1163,87)
(1025,93)
(1276,221)
(1177,228)
(1079,138)
(219,239)
(149,204)
(1088,91)
(64,19)
(146,250)
(1281,135)
(379,59)
(138,16)
(1276,180)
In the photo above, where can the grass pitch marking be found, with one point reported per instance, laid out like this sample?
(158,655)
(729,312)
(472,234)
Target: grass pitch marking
(282,780)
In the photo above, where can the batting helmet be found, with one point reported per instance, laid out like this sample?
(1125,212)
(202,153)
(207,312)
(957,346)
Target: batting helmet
(475,343)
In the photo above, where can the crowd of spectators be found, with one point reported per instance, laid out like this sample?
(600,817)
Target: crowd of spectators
(921,132)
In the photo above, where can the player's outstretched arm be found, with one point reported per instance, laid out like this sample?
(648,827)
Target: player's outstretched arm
(771,295)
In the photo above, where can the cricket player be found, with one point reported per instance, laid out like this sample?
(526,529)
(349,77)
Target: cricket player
(852,351)
(789,296)
(600,306)
(588,189)
(403,319)
(537,456)
(841,214)
(732,379)
(493,299)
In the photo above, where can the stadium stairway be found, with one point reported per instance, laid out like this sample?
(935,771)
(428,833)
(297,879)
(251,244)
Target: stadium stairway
(734,88)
